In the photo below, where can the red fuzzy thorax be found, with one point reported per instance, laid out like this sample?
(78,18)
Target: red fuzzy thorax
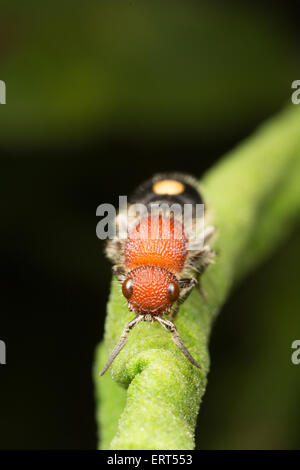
(156,241)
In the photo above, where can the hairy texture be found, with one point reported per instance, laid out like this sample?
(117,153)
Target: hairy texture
(156,241)
(150,289)
(152,398)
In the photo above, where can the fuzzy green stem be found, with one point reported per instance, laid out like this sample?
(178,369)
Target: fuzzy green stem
(152,397)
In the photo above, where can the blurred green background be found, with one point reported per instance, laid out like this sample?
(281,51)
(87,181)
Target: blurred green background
(101,95)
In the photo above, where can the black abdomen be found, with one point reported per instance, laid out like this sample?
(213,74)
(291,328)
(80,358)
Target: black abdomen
(170,188)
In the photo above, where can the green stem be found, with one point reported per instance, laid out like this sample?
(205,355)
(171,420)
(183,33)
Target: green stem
(152,397)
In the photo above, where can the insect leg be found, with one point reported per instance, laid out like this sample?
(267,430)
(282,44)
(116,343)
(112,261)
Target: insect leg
(201,259)
(113,249)
(209,231)
(169,325)
(122,342)
(202,292)
(120,272)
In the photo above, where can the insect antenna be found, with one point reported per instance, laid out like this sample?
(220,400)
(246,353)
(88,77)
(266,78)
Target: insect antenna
(177,340)
(122,342)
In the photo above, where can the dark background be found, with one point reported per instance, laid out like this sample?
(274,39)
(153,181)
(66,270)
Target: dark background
(100,96)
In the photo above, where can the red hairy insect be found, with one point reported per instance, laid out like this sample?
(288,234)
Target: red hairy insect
(155,264)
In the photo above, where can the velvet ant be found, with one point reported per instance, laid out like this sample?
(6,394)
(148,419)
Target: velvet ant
(157,269)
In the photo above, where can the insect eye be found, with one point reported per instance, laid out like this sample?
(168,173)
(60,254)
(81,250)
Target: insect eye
(127,288)
(173,291)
